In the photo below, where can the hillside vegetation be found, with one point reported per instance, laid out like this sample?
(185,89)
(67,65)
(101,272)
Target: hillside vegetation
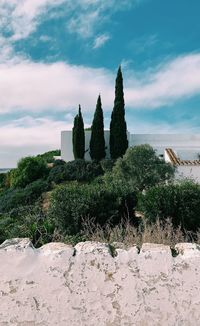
(80,200)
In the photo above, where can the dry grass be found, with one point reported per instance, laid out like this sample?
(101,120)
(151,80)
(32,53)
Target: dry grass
(160,233)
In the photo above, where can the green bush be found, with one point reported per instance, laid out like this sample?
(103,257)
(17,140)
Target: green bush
(59,162)
(13,198)
(48,157)
(27,222)
(180,202)
(29,169)
(107,165)
(78,170)
(2,180)
(142,167)
(73,203)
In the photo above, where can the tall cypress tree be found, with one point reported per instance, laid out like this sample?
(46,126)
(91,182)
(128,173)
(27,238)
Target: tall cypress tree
(97,141)
(78,136)
(118,128)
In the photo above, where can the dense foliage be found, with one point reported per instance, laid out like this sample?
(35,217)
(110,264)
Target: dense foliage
(48,157)
(142,167)
(16,197)
(29,169)
(27,222)
(78,170)
(118,128)
(3,178)
(73,203)
(180,202)
(78,137)
(97,141)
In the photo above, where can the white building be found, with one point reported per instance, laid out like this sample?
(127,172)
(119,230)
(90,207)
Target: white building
(181,150)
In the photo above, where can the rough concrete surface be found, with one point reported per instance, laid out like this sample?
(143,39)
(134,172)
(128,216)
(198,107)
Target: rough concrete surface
(86,285)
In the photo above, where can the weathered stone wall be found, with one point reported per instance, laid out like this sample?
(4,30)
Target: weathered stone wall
(87,286)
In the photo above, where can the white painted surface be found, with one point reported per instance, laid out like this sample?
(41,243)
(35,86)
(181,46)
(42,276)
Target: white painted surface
(67,146)
(190,172)
(186,146)
(85,286)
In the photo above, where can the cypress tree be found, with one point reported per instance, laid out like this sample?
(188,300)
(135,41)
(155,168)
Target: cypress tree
(78,136)
(118,128)
(97,141)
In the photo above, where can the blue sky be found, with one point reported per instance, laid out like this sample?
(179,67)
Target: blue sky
(56,54)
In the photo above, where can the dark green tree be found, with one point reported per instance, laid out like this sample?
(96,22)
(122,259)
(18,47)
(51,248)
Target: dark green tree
(78,136)
(97,141)
(141,167)
(29,169)
(118,128)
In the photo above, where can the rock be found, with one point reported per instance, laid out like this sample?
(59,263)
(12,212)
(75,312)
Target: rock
(16,244)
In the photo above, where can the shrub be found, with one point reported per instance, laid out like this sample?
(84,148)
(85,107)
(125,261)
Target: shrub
(35,189)
(2,180)
(27,222)
(142,167)
(72,203)
(59,162)
(13,198)
(48,157)
(78,170)
(29,169)
(180,202)
(107,165)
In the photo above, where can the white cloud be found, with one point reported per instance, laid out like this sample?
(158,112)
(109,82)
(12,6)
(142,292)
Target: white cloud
(89,15)
(28,136)
(37,87)
(100,41)
(172,81)
(21,17)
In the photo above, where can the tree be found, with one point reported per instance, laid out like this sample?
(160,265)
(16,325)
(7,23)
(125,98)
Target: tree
(97,141)
(118,128)
(73,203)
(179,202)
(78,137)
(29,169)
(142,167)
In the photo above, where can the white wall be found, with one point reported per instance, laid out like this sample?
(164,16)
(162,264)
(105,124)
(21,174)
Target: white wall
(67,146)
(190,172)
(58,285)
(186,146)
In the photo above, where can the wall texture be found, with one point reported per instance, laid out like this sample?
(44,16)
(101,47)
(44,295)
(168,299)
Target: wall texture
(86,286)
(67,146)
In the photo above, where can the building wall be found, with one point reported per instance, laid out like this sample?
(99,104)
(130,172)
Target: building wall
(190,172)
(186,147)
(67,146)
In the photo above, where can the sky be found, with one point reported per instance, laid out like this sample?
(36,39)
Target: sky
(57,54)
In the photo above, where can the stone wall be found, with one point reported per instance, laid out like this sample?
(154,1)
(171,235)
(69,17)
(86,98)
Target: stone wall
(95,285)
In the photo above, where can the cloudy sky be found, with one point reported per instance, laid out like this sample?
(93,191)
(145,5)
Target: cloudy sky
(55,54)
